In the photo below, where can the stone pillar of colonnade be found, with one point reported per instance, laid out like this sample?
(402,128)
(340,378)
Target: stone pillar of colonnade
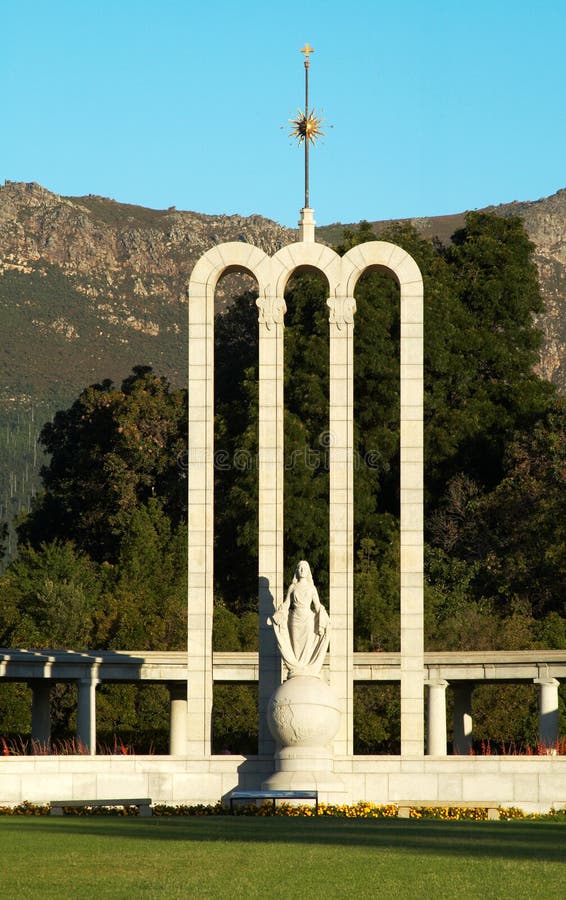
(86,712)
(270,507)
(41,711)
(436,737)
(548,711)
(177,718)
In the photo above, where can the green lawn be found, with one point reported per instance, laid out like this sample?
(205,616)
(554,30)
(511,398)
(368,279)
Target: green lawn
(244,857)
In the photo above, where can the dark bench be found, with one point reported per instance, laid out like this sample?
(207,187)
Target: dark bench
(57,806)
(274,796)
(405,806)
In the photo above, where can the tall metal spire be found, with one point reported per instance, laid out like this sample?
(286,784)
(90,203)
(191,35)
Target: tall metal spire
(306,126)
(307,50)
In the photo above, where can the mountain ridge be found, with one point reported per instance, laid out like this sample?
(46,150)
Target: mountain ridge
(545,223)
(120,272)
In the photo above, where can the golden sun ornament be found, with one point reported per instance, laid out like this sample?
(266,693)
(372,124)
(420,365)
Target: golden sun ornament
(306,127)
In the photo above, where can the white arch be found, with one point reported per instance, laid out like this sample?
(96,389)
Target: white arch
(293,256)
(234,254)
(384,255)
(405,270)
(200,473)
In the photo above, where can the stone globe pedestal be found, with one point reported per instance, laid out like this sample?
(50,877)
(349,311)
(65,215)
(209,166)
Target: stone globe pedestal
(303,716)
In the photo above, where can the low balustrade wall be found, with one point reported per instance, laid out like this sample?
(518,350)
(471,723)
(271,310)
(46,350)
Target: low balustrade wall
(533,784)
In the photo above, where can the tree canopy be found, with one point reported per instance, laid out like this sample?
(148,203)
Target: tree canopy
(114,449)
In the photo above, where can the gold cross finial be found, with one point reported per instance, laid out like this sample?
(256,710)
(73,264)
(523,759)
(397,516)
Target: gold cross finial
(307,49)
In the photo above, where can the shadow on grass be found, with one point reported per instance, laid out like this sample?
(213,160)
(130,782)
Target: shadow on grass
(544,841)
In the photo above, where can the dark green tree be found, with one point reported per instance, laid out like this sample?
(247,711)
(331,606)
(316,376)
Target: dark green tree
(514,536)
(115,448)
(3,539)
(376,719)
(497,283)
(144,602)
(49,598)
(376,592)
(235,470)
(479,390)
(306,427)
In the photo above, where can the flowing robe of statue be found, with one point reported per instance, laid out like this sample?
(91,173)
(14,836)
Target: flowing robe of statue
(302,626)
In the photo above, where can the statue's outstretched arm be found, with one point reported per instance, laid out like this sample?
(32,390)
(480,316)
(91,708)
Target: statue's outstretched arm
(279,617)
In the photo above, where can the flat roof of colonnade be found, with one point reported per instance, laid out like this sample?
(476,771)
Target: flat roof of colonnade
(171,665)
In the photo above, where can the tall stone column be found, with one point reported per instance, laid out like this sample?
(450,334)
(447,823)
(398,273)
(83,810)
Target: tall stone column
(548,711)
(436,739)
(463,724)
(178,710)
(86,713)
(41,711)
(341,514)
(412,541)
(270,513)
(200,471)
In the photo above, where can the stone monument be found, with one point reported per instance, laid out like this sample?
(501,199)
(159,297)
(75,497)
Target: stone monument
(294,629)
(303,714)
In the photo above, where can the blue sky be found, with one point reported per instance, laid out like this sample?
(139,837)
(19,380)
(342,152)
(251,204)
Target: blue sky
(436,107)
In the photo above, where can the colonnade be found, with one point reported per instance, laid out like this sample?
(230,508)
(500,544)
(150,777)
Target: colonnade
(86,713)
(462,716)
(436,730)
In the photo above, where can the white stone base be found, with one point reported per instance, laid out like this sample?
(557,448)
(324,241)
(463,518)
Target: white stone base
(306,768)
(303,716)
(532,783)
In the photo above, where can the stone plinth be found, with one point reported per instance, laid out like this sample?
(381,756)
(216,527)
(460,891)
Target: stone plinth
(303,715)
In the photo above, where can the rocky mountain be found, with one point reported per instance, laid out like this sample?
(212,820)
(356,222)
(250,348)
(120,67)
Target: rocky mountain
(545,223)
(101,285)
(90,287)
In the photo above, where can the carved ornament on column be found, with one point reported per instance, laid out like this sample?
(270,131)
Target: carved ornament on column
(342,310)
(271,310)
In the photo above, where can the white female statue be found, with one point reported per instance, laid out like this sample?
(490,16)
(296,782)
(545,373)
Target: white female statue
(302,625)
